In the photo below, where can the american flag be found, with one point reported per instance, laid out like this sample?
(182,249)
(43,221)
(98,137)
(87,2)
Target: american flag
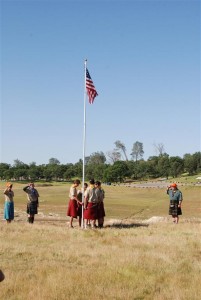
(91,90)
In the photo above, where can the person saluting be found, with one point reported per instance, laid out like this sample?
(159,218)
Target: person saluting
(9,203)
(32,204)
(176,199)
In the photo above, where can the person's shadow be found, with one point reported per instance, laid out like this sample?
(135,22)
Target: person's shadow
(124,225)
(2,277)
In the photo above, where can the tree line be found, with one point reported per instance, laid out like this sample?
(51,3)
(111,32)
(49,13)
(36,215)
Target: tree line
(97,166)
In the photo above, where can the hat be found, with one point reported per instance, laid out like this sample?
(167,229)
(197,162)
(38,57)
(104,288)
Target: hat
(174,185)
(8,184)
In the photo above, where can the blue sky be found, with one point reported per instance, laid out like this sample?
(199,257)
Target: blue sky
(143,57)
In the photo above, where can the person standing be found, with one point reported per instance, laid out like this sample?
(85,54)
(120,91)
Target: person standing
(176,199)
(72,210)
(80,204)
(100,208)
(9,203)
(91,199)
(33,203)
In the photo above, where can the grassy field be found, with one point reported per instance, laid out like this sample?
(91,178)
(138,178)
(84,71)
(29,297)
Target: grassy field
(121,202)
(48,260)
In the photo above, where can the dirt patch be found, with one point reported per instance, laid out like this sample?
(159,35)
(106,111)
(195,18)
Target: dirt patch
(155,219)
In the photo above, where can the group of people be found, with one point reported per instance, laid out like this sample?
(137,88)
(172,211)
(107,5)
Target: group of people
(32,204)
(87,202)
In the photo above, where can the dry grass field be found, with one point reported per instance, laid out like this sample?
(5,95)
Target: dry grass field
(135,260)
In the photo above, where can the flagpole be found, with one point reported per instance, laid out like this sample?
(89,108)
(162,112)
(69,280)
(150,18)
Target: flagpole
(84,144)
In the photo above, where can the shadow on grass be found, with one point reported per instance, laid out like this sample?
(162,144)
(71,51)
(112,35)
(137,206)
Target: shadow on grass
(2,276)
(124,225)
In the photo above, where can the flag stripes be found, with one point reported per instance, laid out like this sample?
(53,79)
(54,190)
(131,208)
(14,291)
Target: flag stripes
(91,90)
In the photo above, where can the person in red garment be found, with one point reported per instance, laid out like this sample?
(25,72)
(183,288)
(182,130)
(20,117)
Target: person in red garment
(79,197)
(91,199)
(100,208)
(73,202)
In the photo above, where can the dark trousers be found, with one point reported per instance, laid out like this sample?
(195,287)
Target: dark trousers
(31,219)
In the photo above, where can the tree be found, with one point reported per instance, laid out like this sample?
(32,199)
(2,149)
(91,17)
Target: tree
(97,158)
(159,148)
(95,171)
(54,161)
(40,170)
(70,172)
(8,174)
(138,170)
(152,165)
(4,167)
(133,169)
(59,171)
(47,173)
(192,162)
(113,156)
(120,146)
(78,167)
(18,164)
(164,165)
(188,164)
(176,166)
(142,169)
(20,170)
(54,171)
(137,151)
(20,174)
(32,164)
(86,160)
(66,171)
(33,174)
(197,159)
(116,172)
